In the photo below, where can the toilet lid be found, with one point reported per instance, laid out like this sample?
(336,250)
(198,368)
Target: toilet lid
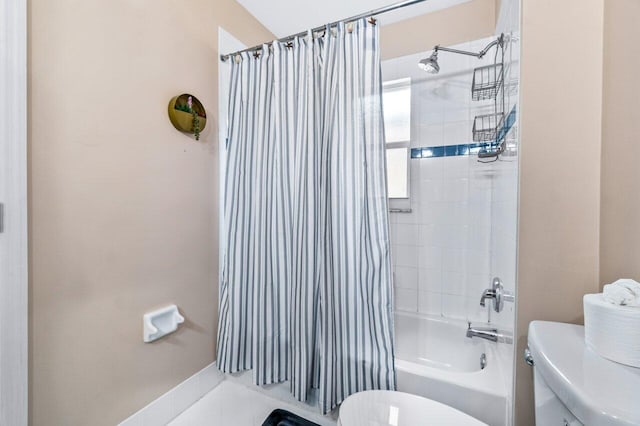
(387,408)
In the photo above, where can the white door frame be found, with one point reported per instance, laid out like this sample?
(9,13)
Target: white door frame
(13,196)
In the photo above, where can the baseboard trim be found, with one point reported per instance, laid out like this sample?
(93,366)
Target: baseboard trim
(168,406)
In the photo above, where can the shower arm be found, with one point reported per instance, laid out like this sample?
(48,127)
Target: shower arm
(479,55)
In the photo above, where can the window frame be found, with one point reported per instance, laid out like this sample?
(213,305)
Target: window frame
(401,202)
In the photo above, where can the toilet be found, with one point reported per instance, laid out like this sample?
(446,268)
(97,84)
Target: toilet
(382,408)
(575,386)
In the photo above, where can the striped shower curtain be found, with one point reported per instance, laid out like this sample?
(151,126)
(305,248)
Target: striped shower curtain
(305,289)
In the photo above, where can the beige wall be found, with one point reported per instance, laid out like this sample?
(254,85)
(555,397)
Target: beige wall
(559,209)
(465,22)
(620,209)
(123,207)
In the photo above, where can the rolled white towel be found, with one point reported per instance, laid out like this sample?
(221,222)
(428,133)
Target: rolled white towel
(624,292)
(632,285)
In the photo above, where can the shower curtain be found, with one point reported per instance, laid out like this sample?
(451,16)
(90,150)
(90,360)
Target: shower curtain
(305,288)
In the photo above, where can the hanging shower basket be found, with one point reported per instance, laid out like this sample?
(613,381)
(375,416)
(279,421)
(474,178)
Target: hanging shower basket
(485,127)
(487,81)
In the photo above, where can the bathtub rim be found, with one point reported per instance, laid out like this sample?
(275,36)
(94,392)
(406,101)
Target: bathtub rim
(490,380)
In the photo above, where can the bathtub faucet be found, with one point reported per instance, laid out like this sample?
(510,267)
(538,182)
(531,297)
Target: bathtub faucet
(487,333)
(498,294)
(487,294)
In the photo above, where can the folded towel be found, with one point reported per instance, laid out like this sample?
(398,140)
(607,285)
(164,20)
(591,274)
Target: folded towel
(630,284)
(624,292)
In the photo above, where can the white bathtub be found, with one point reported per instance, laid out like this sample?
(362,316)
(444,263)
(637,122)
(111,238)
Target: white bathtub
(436,360)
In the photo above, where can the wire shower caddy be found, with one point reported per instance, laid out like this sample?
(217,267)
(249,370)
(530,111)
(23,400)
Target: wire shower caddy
(488,84)
(486,127)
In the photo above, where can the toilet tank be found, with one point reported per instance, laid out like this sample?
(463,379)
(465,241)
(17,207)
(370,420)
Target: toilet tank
(549,408)
(574,386)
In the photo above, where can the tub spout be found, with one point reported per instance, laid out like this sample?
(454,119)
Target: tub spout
(486,333)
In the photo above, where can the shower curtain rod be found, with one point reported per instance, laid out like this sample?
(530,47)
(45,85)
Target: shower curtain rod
(369,14)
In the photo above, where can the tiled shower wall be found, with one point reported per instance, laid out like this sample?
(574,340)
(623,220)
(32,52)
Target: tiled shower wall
(442,249)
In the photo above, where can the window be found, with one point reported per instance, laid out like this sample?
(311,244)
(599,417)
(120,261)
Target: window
(396,104)
(397,172)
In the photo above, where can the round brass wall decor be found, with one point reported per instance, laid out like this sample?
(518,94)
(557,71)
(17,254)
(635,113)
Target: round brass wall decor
(187,114)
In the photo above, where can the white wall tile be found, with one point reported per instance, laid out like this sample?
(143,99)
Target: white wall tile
(458,213)
(430,280)
(431,168)
(430,303)
(431,191)
(406,234)
(405,255)
(430,257)
(406,300)
(429,234)
(434,213)
(454,260)
(406,278)
(478,236)
(393,257)
(454,236)
(457,113)
(456,190)
(431,135)
(477,261)
(392,227)
(451,134)
(454,282)
(456,167)
(479,213)
(454,306)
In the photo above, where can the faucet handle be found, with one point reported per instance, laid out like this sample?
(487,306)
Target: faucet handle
(498,290)
(498,294)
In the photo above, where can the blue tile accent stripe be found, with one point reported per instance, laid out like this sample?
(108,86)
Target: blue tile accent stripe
(450,150)
(468,148)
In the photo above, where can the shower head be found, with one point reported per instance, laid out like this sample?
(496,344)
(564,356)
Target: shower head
(430,64)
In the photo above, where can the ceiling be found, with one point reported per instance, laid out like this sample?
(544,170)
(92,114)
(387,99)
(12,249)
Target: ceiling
(286,17)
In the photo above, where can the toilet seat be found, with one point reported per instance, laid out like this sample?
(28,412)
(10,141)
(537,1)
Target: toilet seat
(388,408)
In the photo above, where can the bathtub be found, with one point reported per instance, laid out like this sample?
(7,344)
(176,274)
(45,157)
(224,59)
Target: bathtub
(435,359)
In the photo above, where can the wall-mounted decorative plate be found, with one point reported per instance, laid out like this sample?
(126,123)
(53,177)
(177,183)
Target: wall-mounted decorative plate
(187,114)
